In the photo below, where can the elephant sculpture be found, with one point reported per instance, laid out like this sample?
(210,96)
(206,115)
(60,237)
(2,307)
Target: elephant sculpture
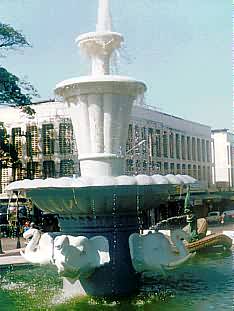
(39,248)
(79,256)
(74,256)
(154,252)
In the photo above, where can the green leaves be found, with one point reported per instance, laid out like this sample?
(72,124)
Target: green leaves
(13,90)
(11,38)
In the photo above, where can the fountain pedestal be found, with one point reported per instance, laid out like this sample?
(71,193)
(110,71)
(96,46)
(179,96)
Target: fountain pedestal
(116,278)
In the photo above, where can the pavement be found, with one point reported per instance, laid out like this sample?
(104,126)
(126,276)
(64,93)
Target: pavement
(10,254)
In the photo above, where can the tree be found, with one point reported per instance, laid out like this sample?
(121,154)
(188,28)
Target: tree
(13,90)
(8,154)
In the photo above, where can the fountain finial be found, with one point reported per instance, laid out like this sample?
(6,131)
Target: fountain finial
(104,17)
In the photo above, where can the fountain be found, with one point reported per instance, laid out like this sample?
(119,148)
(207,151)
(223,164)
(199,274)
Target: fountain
(99,249)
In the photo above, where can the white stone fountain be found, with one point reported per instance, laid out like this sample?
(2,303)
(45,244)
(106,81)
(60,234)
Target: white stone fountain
(100,104)
(100,210)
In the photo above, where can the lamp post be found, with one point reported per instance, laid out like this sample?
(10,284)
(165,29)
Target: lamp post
(1,251)
(17,221)
(191,217)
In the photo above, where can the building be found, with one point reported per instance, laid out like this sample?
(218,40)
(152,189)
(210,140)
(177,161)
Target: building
(166,144)
(158,143)
(45,143)
(223,154)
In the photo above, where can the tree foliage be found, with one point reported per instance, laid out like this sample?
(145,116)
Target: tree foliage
(13,90)
(10,38)
(8,154)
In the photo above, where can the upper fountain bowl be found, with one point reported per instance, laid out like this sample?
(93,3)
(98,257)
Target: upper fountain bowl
(99,41)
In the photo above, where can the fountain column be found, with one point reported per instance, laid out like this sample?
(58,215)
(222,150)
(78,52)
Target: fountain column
(100,106)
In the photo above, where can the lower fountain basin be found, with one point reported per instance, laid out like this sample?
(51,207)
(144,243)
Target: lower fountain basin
(86,196)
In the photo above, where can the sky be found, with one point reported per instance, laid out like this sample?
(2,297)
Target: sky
(181,49)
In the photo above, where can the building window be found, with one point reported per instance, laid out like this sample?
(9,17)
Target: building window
(165,145)
(177,146)
(129,146)
(171,145)
(204,173)
(190,173)
(178,168)
(199,172)
(151,167)
(208,151)
(48,169)
(130,166)
(228,155)
(166,168)
(66,137)
(183,169)
(158,143)
(193,149)
(183,151)
(17,140)
(144,137)
(194,171)
(33,170)
(199,149)
(151,148)
(137,139)
(48,139)
(32,140)
(203,151)
(158,167)
(138,166)
(66,168)
(172,168)
(17,171)
(188,148)
(144,166)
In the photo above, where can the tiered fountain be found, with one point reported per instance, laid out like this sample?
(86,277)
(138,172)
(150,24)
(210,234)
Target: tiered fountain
(100,210)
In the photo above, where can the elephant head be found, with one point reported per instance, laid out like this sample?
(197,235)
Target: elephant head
(79,256)
(40,247)
(154,252)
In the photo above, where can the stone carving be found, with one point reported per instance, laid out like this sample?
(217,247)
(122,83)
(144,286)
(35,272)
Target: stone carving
(79,256)
(39,248)
(73,256)
(153,252)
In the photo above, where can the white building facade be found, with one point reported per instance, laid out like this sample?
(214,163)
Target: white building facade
(223,156)
(157,143)
(170,145)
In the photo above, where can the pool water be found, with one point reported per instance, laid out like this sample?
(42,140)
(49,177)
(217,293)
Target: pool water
(205,283)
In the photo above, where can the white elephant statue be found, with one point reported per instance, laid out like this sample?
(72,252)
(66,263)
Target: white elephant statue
(79,256)
(73,256)
(40,247)
(154,252)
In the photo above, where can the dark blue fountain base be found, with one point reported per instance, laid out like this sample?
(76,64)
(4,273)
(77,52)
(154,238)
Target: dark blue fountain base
(117,278)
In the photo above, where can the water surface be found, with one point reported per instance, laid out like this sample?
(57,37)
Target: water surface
(206,283)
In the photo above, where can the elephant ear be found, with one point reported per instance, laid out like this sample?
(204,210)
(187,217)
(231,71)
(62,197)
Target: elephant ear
(78,241)
(101,245)
(135,243)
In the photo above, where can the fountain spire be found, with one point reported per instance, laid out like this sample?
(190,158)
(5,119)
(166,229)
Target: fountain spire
(104,22)
(100,45)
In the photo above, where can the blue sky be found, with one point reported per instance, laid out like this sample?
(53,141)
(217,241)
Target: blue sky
(181,49)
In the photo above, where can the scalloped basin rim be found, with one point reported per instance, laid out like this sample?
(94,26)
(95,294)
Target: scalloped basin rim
(123,180)
(98,34)
(98,78)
